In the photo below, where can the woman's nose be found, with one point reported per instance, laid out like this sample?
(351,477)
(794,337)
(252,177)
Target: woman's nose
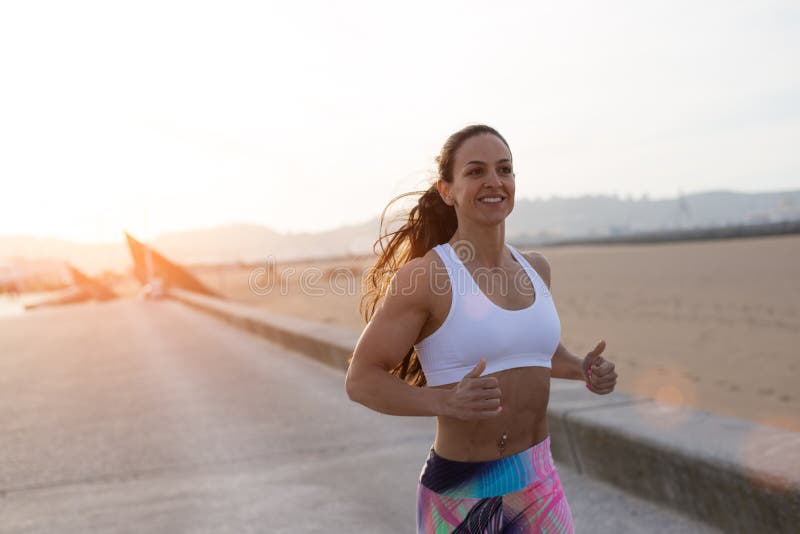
(494,179)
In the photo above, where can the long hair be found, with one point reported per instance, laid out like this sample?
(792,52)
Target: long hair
(429,223)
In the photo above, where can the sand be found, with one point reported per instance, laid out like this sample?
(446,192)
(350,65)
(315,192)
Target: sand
(713,325)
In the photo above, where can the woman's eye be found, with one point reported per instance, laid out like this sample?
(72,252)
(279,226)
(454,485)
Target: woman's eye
(506,169)
(473,171)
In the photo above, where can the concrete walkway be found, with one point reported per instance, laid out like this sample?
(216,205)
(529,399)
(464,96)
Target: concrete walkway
(136,416)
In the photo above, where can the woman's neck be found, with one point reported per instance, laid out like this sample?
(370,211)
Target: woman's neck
(484,246)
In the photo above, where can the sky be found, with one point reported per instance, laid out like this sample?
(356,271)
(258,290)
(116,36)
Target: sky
(163,116)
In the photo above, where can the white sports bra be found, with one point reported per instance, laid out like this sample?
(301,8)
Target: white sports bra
(476,328)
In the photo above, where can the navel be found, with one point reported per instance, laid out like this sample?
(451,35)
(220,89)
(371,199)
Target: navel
(501,442)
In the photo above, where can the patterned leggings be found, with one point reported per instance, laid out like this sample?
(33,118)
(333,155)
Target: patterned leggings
(520,493)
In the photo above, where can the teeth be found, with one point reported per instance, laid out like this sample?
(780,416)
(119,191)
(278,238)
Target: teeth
(491,199)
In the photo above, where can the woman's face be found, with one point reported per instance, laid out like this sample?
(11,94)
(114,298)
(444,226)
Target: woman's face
(482,171)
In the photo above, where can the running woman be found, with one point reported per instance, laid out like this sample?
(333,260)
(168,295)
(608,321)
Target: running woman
(462,326)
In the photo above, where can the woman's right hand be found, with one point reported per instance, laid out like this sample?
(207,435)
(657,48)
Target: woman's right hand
(475,397)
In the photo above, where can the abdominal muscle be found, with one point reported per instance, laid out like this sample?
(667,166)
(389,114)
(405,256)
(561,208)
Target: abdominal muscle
(524,395)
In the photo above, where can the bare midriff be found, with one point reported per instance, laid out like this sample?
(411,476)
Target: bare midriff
(524,392)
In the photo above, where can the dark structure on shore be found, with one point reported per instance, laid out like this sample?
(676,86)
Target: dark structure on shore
(94,289)
(84,288)
(172,274)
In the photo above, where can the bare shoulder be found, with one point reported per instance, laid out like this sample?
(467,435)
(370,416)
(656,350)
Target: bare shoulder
(539,262)
(412,281)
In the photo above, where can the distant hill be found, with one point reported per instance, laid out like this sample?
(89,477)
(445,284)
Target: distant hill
(601,215)
(531,221)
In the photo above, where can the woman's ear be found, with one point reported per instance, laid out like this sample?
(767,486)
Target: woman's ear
(444,191)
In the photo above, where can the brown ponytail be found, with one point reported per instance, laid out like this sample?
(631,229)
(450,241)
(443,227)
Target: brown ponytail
(429,223)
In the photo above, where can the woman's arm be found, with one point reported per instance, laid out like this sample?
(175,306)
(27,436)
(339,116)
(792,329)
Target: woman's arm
(566,365)
(384,343)
(388,394)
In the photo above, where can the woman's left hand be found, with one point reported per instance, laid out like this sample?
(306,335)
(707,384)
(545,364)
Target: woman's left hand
(598,372)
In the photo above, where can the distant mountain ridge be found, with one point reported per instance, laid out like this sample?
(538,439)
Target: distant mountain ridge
(531,221)
(602,215)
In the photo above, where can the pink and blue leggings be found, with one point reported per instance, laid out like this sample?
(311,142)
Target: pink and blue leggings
(520,493)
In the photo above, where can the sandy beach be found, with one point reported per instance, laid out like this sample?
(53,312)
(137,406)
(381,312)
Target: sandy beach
(713,325)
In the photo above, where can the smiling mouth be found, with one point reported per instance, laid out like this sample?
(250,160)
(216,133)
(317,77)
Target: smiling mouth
(492,200)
